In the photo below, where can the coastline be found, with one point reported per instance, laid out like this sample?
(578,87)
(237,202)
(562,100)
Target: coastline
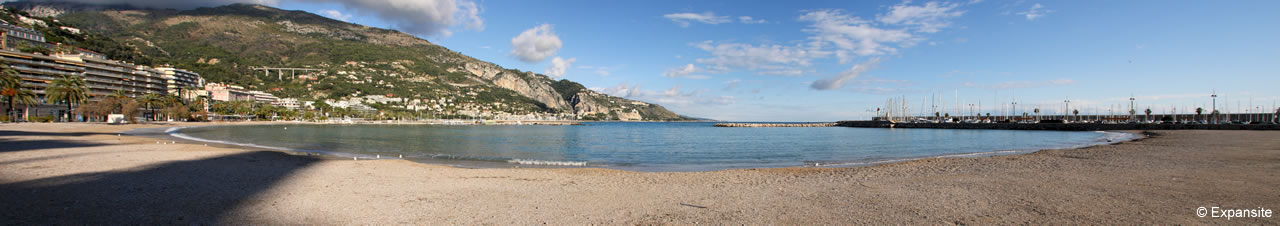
(82,173)
(172,133)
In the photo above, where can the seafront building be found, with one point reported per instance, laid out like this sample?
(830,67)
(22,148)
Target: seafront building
(226,92)
(102,76)
(178,81)
(264,97)
(105,77)
(15,36)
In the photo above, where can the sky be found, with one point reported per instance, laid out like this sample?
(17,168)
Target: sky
(841,60)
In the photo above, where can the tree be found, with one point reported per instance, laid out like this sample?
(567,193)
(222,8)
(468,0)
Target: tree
(1198,111)
(130,110)
(26,98)
(1148,111)
(937,115)
(70,89)
(150,100)
(177,111)
(321,106)
(10,86)
(1076,113)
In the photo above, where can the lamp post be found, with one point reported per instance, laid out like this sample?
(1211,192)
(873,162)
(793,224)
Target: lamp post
(1065,110)
(1215,106)
(1132,112)
(1014,112)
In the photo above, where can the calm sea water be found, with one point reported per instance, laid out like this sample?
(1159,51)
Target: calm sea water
(645,146)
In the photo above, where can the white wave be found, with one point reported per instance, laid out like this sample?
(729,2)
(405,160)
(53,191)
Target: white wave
(546,163)
(175,133)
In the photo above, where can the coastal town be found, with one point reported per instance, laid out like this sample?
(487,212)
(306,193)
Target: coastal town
(37,71)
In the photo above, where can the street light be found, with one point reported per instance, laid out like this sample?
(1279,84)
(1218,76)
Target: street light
(1065,110)
(1215,106)
(1131,110)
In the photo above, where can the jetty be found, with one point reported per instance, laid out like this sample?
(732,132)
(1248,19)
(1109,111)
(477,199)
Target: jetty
(1057,126)
(826,124)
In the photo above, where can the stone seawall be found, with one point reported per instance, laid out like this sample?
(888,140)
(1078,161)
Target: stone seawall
(775,124)
(1053,126)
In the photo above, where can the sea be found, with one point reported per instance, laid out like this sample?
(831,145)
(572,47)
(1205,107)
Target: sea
(640,146)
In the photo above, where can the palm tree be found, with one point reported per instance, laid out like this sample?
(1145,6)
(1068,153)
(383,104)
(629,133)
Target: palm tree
(69,88)
(26,98)
(1198,111)
(149,100)
(184,90)
(1076,114)
(1148,111)
(10,85)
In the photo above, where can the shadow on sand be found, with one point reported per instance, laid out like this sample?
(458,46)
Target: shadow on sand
(186,192)
(5,133)
(27,145)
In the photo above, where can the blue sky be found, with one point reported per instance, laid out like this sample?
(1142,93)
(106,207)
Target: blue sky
(837,60)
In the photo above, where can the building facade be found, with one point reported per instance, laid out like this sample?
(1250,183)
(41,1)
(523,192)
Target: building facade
(178,80)
(16,36)
(224,92)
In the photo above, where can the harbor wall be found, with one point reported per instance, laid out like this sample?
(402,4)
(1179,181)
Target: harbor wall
(1057,126)
(775,124)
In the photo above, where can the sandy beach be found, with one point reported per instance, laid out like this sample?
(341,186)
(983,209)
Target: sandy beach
(71,173)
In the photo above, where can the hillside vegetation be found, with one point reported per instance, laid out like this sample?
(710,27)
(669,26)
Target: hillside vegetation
(354,62)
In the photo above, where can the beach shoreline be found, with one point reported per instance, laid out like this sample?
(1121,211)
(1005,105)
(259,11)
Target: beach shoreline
(69,173)
(174,133)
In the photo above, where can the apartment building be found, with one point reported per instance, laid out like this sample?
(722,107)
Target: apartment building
(177,80)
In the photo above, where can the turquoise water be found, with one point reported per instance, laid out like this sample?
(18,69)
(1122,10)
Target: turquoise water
(645,146)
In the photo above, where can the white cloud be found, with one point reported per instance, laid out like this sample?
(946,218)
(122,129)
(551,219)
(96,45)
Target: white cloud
(838,81)
(558,66)
(337,15)
(685,71)
(749,20)
(471,14)
(536,44)
(1035,12)
(852,36)
(929,18)
(422,17)
(765,59)
(685,19)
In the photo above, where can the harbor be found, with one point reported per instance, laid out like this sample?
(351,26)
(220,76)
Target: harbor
(828,124)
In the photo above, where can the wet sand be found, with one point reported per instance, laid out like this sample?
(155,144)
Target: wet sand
(66,173)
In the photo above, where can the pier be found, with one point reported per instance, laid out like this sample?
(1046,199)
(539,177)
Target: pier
(1058,126)
(827,124)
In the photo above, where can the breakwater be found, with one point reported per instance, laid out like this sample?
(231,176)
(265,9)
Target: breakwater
(1057,126)
(828,124)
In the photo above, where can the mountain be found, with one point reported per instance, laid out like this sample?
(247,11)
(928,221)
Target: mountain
(351,61)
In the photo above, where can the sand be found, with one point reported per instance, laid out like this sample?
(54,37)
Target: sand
(70,173)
